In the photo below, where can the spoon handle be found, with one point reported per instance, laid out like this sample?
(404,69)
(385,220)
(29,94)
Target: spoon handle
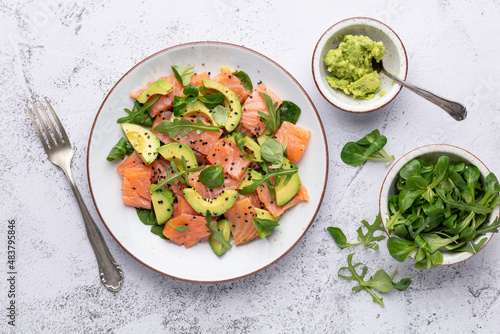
(454,109)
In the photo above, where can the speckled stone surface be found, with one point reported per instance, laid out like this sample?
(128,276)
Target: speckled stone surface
(73,52)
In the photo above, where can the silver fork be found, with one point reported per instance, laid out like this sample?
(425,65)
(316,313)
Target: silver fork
(60,154)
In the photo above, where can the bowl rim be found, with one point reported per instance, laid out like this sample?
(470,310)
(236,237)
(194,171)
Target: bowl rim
(213,43)
(313,64)
(432,148)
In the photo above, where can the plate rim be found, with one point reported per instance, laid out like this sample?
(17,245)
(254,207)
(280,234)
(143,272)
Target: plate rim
(195,44)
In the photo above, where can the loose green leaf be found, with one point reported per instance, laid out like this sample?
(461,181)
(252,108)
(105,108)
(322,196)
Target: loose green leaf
(403,284)
(220,115)
(212,100)
(381,281)
(183,127)
(370,147)
(183,74)
(245,80)
(218,235)
(264,226)
(139,113)
(179,228)
(272,150)
(147,217)
(340,238)
(271,120)
(158,230)
(120,149)
(212,177)
(289,112)
(368,239)
(358,277)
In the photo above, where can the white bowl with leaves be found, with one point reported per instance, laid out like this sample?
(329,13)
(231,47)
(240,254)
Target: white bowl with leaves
(439,206)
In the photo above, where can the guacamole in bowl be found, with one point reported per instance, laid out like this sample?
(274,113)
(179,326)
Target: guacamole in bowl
(351,68)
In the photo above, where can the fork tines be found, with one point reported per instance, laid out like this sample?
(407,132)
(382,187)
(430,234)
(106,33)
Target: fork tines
(55,139)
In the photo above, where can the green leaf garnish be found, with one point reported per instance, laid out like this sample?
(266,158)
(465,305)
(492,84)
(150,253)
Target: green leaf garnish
(271,120)
(368,239)
(245,80)
(183,127)
(120,149)
(212,177)
(139,113)
(183,74)
(212,100)
(264,226)
(179,228)
(220,115)
(340,238)
(148,217)
(289,112)
(370,147)
(359,277)
(272,151)
(218,235)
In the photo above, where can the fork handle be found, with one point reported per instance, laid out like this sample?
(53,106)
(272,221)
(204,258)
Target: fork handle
(454,109)
(110,272)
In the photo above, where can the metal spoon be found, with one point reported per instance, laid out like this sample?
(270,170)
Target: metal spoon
(454,109)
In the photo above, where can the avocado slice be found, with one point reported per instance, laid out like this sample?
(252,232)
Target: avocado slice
(264,136)
(175,151)
(163,204)
(264,214)
(232,103)
(197,108)
(251,145)
(216,206)
(217,247)
(162,87)
(250,175)
(144,142)
(285,192)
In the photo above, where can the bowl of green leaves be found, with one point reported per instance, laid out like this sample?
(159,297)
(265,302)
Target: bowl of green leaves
(439,204)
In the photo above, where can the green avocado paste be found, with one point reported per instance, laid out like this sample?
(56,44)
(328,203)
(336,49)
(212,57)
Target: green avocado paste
(351,68)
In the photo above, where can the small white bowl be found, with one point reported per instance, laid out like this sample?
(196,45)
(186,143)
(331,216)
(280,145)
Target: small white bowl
(395,62)
(431,153)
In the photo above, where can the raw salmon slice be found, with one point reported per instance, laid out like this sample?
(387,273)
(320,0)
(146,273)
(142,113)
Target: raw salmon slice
(202,142)
(271,205)
(166,102)
(182,207)
(240,217)
(226,153)
(297,139)
(204,191)
(159,170)
(133,160)
(198,77)
(136,187)
(227,79)
(250,118)
(165,115)
(197,230)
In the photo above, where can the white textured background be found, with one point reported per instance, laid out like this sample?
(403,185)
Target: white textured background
(73,52)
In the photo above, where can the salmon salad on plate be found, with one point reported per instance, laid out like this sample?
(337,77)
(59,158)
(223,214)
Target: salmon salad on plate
(210,157)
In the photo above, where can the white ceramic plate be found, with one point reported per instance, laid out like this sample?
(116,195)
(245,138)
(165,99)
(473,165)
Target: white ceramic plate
(199,263)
